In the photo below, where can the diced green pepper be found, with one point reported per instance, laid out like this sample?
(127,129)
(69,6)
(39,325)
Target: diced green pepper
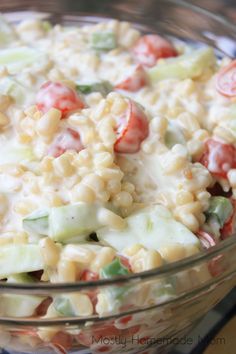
(115,268)
(221,208)
(103,41)
(104,87)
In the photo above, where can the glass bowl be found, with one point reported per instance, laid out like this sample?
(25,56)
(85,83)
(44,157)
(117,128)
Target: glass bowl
(144,323)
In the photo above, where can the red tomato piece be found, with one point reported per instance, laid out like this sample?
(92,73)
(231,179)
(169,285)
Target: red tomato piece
(229,227)
(218,157)
(151,47)
(88,275)
(226,80)
(62,340)
(135,81)
(215,265)
(125,262)
(206,239)
(67,140)
(131,130)
(41,310)
(56,95)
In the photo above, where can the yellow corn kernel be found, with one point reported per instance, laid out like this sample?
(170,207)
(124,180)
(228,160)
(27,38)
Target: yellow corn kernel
(184,197)
(66,271)
(153,259)
(50,252)
(138,261)
(77,253)
(132,250)
(83,193)
(49,123)
(63,166)
(104,257)
(173,253)
(81,304)
(47,164)
(123,199)
(108,218)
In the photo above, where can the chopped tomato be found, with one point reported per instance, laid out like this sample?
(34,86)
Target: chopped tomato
(125,262)
(131,130)
(89,336)
(206,239)
(218,157)
(151,47)
(63,340)
(134,82)
(67,140)
(125,319)
(226,80)
(41,310)
(88,275)
(214,265)
(229,227)
(56,95)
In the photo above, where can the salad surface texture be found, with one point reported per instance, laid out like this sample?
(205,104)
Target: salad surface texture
(118,155)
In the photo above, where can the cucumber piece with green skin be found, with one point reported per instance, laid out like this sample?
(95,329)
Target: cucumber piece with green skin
(190,65)
(73,220)
(153,227)
(15,259)
(63,306)
(19,93)
(22,278)
(220,208)
(104,87)
(104,41)
(37,222)
(174,135)
(16,59)
(19,305)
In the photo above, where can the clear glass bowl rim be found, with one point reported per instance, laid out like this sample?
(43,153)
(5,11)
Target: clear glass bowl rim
(165,270)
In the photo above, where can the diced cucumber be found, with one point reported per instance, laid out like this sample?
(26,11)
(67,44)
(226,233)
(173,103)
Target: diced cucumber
(153,227)
(37,222)
(104,87)
(174,135)
(73,220)
(221,208)
(68,223)
(16,154)
(21,278)
(11,87)
(63,306)
(190,65)
(19,305)
(15,259)
(103,41)
(15,59)
(7,34)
